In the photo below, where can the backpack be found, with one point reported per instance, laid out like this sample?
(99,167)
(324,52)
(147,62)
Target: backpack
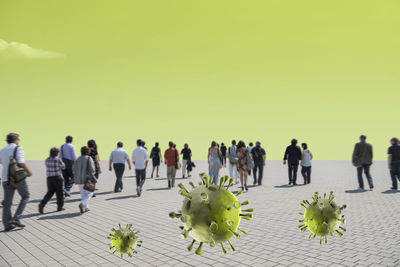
(16,173)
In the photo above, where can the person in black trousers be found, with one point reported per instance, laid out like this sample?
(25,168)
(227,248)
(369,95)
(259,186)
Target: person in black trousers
(258,154)
(394,162)
(54,168)
(118,158)
(293,157)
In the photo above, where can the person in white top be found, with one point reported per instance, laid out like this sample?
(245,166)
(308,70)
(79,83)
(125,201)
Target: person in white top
(140,160)
(118,158)
(306,157)
(233,162)
(13,148)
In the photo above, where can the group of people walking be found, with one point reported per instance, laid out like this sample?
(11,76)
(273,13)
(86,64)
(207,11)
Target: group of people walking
(64,168)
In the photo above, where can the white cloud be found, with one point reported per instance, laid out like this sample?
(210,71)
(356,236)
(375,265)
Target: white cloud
(15,50)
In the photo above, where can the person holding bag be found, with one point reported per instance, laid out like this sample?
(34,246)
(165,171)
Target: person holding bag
(84,176)
(13,178)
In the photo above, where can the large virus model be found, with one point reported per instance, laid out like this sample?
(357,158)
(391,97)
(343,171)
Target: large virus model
(211,214)
(124,240)
(322,217)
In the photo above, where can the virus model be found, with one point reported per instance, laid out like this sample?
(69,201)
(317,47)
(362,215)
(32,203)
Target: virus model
(322,217)
(211,214)
(124,240)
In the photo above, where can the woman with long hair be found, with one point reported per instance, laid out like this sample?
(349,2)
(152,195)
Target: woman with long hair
(243,168)
(214,161)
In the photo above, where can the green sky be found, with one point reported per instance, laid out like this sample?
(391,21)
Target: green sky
(194,71)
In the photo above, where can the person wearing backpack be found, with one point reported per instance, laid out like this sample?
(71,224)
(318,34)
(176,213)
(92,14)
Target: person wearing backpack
(233,162)
(13,178)
(258,154)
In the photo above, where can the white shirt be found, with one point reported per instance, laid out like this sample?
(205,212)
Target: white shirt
(306,158)
(119,155)
(5,155)
(249,148)
(139,158)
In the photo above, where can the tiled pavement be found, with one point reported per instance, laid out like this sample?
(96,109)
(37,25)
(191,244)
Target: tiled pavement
(71,239)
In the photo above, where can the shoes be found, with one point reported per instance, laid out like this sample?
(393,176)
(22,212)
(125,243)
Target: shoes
(94,195)
(183,176)
(260,184)
(255,182)
(245,186)
(393,188)
(294,183)
(81,208)
(66,192)
(117,191)
(290,182)
(138,191)
(18,224)
(157,175)
(360,188)
(190,175)
(10,227)
(60,209)
(87,209)
(41,209)
(169,184)
(371,186)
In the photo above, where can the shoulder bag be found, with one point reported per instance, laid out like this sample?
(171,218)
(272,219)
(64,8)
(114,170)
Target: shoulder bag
(16,173)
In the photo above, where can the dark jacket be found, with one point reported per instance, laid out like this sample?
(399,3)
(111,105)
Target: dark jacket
(362,154)
(292,154)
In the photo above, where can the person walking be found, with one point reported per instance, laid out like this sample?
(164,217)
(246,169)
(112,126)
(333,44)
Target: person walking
(186,158)
(306,157)
(118,158)
(223,154)
(362,160)
(95,156)
(171,157)
(243,167)
(293,156)
(394,162)
(156,159)
(233,162)
(140,161)
(214,161)
(84,169)
(54,167)
(259,157)
(68,156)
(250,146)
(15,152)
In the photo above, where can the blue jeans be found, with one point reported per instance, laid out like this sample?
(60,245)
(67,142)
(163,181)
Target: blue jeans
(360,169)
(395,173)
(260,167)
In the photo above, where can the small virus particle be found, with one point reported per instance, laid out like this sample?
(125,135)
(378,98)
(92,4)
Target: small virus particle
(211,214)
(322,217)
(124,240)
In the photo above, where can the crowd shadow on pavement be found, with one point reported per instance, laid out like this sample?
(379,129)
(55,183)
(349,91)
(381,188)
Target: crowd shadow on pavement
(355,191)
(122,197)
(157,189)
(391,191)
(36,214)
(61,216)
(104,193)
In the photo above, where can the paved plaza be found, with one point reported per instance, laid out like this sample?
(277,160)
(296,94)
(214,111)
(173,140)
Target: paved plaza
(70,239)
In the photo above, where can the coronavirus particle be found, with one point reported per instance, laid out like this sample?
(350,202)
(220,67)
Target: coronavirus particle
(211,214)
(322,217)
(124,240)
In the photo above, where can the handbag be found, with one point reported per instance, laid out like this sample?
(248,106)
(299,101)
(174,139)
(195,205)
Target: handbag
(16,173)
(250,161)
(90,184)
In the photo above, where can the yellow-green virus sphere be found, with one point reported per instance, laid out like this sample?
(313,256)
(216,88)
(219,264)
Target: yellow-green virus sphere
(124,240)
(211,214)
(322,217)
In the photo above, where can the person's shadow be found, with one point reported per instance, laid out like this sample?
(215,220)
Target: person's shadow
(355,191)
(157,189)
(283,186)
(391,191)
(60,216)
(122,197)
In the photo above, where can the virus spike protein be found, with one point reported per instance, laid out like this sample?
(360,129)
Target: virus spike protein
(322,217)
(211,214)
